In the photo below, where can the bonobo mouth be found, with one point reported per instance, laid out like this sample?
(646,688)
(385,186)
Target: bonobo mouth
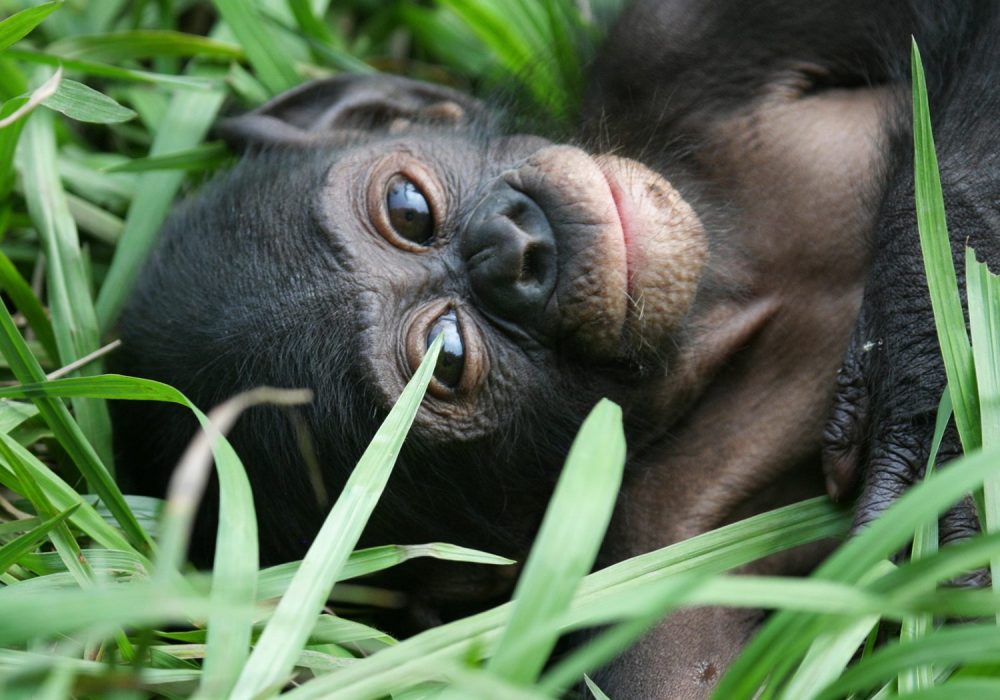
(630,251)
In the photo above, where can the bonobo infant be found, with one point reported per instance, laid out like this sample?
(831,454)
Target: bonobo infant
(699,254)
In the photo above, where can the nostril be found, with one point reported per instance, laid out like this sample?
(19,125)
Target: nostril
(518,213)
(532,264)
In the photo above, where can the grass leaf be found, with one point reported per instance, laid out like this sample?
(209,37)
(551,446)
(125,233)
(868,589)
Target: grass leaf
(20,24)
(268,58)
(940,268)
(567,543)
(274,656)
(84,104)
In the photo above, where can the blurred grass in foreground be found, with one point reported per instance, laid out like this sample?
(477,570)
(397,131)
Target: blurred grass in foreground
(105,111)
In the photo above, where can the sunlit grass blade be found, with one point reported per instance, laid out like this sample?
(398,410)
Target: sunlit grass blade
(21,545)
(666,596)
(949,319)
(65,544)
(85,104)
(23,108)
(271,62)
(955,644)
(66,430)
(830,653)
(20,24)
(925,543)
(62,496)
(235,565)
(103,70)
(206,156)
(143,43)
(94,221)
(785,637)
(9,136)
(28,304)
(567,543)
(728,547)
(529,39)
(984,325)
(68,286)
(185,124)
(274,655)
(274,580)
(594,690)
(68,611)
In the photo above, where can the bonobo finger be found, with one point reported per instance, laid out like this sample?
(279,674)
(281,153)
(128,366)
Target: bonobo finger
(896,459)
(845,433)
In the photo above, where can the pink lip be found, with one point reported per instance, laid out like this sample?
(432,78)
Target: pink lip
(623,206)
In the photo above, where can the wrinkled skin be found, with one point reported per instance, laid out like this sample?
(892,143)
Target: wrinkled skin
(699,256)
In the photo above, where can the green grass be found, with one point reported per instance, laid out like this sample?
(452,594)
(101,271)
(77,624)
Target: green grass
(106,106)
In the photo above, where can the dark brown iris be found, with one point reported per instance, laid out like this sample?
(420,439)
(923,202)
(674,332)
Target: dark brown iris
(409,212)
(451,360)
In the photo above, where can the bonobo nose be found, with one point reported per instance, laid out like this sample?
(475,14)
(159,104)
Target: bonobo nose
(509,250)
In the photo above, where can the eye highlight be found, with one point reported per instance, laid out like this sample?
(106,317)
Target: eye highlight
(409,212)
(451,360)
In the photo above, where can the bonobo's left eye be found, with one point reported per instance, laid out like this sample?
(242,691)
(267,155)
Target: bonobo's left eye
(451,360)
(462,365)
(409,211)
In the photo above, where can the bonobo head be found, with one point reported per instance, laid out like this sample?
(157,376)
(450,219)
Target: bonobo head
(366,216)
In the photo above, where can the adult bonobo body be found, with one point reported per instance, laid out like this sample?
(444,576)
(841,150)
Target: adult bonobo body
(706,276)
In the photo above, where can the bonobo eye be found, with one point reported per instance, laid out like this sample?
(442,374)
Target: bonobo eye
(409,212)
(451,360)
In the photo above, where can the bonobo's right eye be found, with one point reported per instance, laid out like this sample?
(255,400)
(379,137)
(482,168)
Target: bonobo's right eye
(451,359)
(409,212)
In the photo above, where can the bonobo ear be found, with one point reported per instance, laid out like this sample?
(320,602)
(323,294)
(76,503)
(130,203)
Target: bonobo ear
(346,106)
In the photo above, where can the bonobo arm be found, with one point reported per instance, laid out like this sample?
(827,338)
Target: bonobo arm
(880,432)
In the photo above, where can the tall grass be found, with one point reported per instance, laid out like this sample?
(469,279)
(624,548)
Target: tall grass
(106,107)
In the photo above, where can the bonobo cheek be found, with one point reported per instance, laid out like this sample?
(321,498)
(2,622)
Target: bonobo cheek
(630,250)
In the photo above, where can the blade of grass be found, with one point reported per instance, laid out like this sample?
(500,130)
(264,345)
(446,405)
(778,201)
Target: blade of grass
(954,644)
(20,24)
(925,543)
(784,638)
(274,656)
(74,320)
(119,47)
(27,303)
(728,547)
(940,268)
(12,551)
(830,653)
(984,324)
(234,577)
(567,542)
(206,156)
(594,690)
(274,580)
(235,567)
(103,70)
(85,104)
(67,432)
(63,496)
(71,610)
(188,119)
(272,65)
(37,97)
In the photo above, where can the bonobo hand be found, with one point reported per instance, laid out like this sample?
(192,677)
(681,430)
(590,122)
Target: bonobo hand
(883,418)
(892,379)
